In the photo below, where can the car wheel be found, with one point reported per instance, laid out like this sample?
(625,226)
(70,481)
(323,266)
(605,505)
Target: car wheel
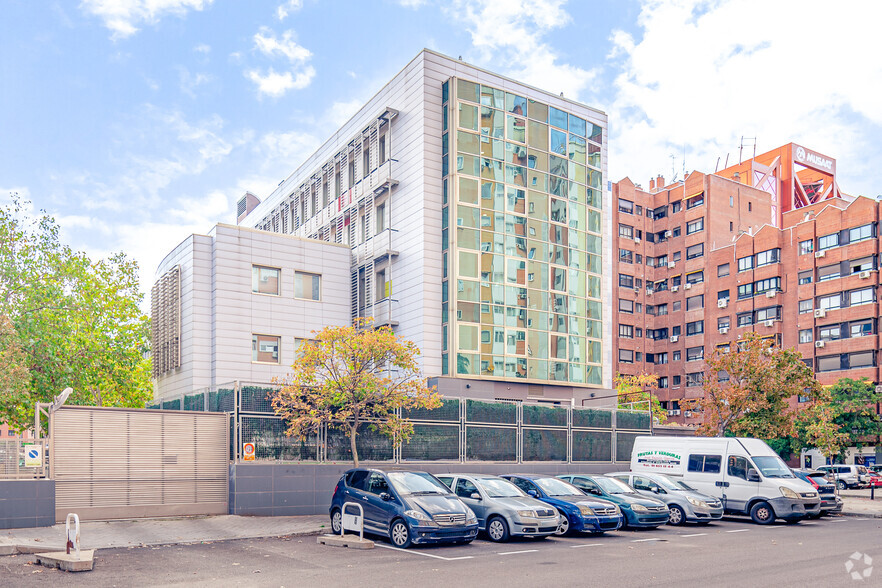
(400,534)
(842,485)
(336,521)
(762,513)
(497,529)
(563,527)
(678,517)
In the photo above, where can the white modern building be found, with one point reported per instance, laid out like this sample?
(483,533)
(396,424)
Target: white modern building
(465,210)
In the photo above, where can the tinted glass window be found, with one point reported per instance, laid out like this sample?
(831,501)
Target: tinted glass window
(377,484)
(737,467)
(708,464)
(465,489)
(524,485)
(357,479)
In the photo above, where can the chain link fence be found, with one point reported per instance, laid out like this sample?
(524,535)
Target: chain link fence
(460,430)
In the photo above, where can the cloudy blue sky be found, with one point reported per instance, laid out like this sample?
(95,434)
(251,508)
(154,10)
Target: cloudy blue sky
(138,122)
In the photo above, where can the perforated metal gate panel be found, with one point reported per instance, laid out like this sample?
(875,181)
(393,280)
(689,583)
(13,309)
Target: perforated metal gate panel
(123,463)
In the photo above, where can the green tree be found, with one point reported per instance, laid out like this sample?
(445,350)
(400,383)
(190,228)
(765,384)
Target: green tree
(752,400)
(15,393)
(353,375)
(77,322)
(635,391)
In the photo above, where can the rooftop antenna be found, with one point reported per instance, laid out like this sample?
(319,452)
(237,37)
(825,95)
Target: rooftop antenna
(673,168)
(741,148)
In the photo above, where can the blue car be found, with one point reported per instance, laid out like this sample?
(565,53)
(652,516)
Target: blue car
(639,511)
(579,513)
(407,507)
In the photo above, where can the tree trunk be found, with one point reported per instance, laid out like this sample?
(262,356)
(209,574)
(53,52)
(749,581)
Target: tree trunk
(353,430)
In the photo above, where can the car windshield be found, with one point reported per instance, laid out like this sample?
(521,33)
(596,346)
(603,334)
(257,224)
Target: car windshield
(861,469)
(499,488)
(555,487)
(771,466)
(416,483)
(613,486)
(669,484)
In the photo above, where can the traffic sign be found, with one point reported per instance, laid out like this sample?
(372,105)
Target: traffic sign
(33,456)
(248,451)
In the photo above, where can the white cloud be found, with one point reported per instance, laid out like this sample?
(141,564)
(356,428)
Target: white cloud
(202,48)
(273,83)
(703,75)
(413,4)
(190,82)
(287,8)
(509,37)
(123,17)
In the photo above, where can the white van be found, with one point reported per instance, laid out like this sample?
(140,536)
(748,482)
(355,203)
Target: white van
(746,474)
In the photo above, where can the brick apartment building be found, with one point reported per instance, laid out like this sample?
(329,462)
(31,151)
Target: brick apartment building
(769,245)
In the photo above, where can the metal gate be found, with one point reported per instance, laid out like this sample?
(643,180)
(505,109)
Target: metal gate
(112,463)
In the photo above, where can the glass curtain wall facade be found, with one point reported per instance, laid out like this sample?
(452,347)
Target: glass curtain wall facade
(521,239)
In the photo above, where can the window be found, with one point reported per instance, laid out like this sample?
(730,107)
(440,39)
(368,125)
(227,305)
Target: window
(626,231)
(676,280)
(771,313)
(749,206)
(660,358)
(863,264)
(723,322)
(695,302)
(745,318)
(828,272)
(694,328)
(858,297)
(626,305)
(806,247)
(626,281)
(638,332)
(638,259)
(626,331)
(675,330)
(768,257)
(676,356)
(830,302)
(737,467)
(723,295)
(676,306)
(861,328)
(860,233)
(805,277)
(767,285)
(265,280)
(828,241)
(745,263)
(696,200)
(626,356)
(676,206)
(675,232)
(861,359)
(805,306)
(745,291)
(723,270)
(307,286)
(695,278)
(626,206)
(830,333)
(694,251)
(695,379)
(675,381)
(265,348)
(638,210)
(805,336)
(695,226)
(626,256)
(694,353)
(381,218)
(676,257)
(663,382)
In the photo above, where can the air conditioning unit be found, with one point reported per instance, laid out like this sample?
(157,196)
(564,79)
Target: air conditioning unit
(674,288)
(820,254)
(649,292)
(671,265)
(687,286)
(676,412)
(820,313)
(771,294)
(722,303)
(819,343)
(688,413)
(770,323)
(879,389)
(636,239)
(675,338)
(667,234)
(865,275)
(724,330)
(670,413)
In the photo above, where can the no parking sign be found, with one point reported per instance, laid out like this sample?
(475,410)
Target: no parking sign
(248,451)
(33,456)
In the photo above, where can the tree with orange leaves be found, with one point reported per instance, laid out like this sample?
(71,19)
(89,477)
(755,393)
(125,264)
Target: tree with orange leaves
(351,375)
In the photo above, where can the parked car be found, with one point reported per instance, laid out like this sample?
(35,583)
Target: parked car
(847,476)
(686,504)
(826,490)
(578,512)
(639,511)
(874,479)
(503,509)
(875,468)
(408,507)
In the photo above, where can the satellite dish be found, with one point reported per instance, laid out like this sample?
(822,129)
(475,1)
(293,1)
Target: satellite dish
(59,400)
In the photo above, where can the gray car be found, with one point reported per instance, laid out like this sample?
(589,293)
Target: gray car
(503,509)
(686,504)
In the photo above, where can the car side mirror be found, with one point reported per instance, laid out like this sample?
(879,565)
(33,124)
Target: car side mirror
(752,476)
(385,496)
(475,496)
(533,493)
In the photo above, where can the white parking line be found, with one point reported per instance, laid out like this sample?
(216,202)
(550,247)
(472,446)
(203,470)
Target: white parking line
(644,540)
(424,554)
(806,524)
(586,545)
(515,552)
(737,530)
(836,521)
(694,535)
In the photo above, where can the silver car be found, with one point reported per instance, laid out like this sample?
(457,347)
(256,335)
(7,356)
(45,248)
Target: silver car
(685,503)
(503,509)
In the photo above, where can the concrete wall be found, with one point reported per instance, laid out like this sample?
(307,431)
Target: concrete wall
(27,503)
(291,489)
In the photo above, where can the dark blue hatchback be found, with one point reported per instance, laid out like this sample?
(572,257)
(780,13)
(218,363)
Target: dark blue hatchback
(407,507)
(579,512)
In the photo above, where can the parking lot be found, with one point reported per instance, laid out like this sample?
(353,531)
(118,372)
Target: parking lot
(731,552)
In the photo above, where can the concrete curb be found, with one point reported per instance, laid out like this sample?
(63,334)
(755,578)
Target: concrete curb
(865,515)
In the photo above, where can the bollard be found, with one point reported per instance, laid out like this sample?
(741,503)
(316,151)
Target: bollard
(75,541)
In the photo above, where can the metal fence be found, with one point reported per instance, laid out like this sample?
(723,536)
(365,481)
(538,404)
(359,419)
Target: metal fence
(14,459)
(461,430)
